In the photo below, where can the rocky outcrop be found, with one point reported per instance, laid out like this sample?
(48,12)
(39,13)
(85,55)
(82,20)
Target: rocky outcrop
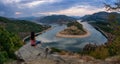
(37,55)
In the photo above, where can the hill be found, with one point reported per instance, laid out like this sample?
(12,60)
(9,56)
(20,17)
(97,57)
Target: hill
(60,19)
(31,18)
(11,34)
(9,43)
(20,27)
(100,17)
(110,26)
(73,30)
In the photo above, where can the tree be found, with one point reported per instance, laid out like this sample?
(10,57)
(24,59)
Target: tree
(112,18)
(9,43)
(113,7)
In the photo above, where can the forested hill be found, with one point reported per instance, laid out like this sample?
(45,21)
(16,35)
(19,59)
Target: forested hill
(20,27)
(11,34)
(100,17)
(30,18)
(9,43)
(110,26)
(60,19)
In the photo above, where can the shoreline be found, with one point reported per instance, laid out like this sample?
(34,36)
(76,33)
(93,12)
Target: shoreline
(73,36)
(36,34)
(101,31)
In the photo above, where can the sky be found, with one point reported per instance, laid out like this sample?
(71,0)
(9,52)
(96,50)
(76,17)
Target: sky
(24,8)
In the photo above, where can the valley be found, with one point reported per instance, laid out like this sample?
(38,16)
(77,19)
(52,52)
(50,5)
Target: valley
(81,37)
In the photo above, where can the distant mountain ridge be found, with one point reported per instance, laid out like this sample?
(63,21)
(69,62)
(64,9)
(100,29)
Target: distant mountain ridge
(60,19)
(31,18)
(100,17)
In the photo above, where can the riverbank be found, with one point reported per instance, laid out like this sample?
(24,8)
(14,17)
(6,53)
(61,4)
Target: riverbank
(102,32)
(74,36)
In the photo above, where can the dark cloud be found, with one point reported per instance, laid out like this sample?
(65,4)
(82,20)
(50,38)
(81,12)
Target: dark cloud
(6,10)
(21,6)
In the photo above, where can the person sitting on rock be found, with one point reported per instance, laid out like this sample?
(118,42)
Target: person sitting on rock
(32,39)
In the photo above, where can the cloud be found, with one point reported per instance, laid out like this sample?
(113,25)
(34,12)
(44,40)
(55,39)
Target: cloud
(18,13)
(2,13)
(40,7)
(76,11)
(34,3)
(9,1)
(31,4)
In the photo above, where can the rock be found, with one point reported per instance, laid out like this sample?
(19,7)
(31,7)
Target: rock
(37,55)
(28,52)
(87,58)
(81,61)
(113,60)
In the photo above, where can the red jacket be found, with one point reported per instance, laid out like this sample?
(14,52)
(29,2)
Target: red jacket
(33,42)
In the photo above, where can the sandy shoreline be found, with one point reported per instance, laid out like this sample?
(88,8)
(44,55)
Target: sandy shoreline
(73,36)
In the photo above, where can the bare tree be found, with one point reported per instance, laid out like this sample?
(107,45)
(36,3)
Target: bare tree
(114,7)
(112,18)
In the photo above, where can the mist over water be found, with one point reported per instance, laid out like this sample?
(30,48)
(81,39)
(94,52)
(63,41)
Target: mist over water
(49,38)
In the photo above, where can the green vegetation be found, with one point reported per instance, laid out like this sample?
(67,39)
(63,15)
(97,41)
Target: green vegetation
(21,27)
(11,34)
(60,19)
(74,28)
(55,49)
(77,24)
(9,43)
(105,26)
(112,47)
(100,53)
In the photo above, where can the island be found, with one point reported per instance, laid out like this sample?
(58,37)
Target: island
(73,30)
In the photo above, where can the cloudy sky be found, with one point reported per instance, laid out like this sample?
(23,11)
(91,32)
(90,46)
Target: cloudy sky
(23,8)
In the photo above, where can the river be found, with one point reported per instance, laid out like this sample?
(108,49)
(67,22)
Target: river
(49,38)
